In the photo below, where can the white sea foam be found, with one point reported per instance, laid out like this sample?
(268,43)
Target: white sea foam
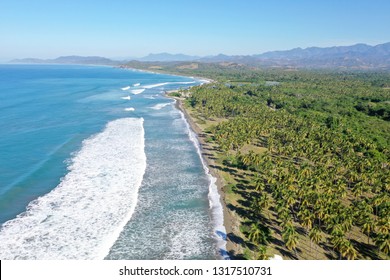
(83,216)
(214,199)
(137,91)
(159,106)
(155,85)
(129,109)
(125,88)
(136,85)
(126,97)
(167,83)
(203,81)
(185,237)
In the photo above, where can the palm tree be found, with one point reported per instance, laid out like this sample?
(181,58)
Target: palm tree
(338,239)
(291,241)
(255,207)
(383,225)
(367,228)
(290,238)
(264,201)
(247,159)
(259,234)
(347,223)
(259,182)
(348,251)
(262,253)
(283,212)
(383,242)
(306,218)
(378,200)
(315,235)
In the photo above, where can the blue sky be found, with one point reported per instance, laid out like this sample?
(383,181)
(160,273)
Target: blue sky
(124,28)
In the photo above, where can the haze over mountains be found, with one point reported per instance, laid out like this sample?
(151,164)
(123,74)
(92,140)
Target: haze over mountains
(359,56)
(73,59)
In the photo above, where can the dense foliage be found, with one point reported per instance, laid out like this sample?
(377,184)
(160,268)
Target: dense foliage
(318,155)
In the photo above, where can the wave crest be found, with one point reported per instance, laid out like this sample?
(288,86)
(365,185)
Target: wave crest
(83,216)
(160,106)
(137,91)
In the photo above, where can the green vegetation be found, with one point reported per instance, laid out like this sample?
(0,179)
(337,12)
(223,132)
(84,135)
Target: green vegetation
(303,156)
(308,158)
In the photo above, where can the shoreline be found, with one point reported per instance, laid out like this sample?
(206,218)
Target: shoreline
(228,219)
(229,223)
(202,79)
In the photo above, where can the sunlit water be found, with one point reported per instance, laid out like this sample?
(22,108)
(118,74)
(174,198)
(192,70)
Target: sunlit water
(96,163)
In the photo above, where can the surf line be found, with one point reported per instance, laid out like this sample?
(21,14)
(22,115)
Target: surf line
(84,215)
(216,208)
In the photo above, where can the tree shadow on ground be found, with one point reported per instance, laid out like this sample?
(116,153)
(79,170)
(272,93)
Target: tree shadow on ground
(365,249)
(329,252)
(301,231)
(235,239)
(210,156)
(208,148)
(286,253)
(225,169)
(239,210)
(234,256)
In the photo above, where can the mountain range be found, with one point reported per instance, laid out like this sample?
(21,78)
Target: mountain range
(169,57)
(73,59)
(359,56)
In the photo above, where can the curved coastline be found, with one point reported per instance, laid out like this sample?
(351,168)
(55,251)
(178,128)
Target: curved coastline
(106,243)
(69,222)
(220,217)
(197,78)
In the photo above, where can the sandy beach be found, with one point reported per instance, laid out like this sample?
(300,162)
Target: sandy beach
(230,222)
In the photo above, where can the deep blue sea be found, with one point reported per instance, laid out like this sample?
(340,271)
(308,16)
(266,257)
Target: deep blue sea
(96,163)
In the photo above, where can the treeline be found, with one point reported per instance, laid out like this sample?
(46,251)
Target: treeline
(314,148)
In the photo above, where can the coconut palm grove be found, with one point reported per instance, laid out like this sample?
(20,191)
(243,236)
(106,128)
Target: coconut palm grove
(303,157)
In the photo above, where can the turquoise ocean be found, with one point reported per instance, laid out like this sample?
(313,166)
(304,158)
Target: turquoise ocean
(96,163)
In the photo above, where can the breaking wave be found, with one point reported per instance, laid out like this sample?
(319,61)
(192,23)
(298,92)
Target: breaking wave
(83,216)
(160,106)
(137,91)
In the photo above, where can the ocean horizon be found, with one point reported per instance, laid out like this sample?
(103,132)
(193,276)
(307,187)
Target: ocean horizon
(98,164)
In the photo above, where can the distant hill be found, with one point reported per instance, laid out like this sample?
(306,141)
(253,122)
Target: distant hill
(168,57)
(356,56)
(359,56)
(89,60)
(226,58)
(316,52)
